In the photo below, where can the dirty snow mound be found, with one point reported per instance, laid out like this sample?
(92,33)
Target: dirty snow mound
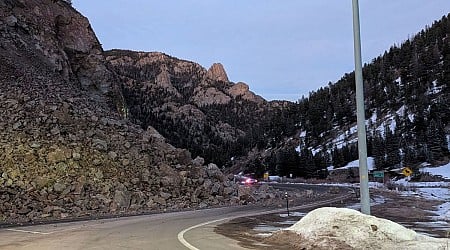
(325,227)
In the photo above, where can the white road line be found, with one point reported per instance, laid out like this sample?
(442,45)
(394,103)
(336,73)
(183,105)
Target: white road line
(28,232)
(44,233)
(181,234)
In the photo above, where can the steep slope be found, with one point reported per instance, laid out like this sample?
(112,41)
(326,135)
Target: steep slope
(65,149)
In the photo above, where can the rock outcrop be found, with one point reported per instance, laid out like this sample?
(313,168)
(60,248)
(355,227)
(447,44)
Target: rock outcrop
(209,96)
(241,89)
(217,73)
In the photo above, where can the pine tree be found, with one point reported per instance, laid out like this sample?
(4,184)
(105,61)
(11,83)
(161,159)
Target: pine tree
(392,148)
(379,151)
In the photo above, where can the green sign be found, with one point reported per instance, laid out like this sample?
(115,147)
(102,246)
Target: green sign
(378,174)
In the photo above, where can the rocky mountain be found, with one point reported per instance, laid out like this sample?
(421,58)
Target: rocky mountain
(66,149)
(194,108)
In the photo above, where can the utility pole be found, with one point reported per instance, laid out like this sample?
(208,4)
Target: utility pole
(360,116)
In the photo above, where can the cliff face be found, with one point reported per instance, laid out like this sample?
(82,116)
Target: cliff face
(195,108)
(65,150)
(62,37)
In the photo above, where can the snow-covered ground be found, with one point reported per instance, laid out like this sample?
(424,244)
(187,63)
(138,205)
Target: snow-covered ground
(443,171)
(443,210)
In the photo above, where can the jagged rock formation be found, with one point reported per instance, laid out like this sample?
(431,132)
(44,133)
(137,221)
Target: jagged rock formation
(241,89)
(195,108)
(65,150)
(217,73)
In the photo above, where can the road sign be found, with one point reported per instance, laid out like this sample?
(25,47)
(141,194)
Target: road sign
(266,176)
(378,174)
(407,171)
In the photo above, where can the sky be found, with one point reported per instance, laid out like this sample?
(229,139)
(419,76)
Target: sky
(282,49)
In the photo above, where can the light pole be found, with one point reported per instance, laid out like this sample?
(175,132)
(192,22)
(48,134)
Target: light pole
(287,202)
(360,116)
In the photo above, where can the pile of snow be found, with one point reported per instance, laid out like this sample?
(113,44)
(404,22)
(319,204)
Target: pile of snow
(328,228)
(443,171)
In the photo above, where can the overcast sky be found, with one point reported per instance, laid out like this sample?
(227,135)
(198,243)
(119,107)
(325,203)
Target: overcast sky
(283,49)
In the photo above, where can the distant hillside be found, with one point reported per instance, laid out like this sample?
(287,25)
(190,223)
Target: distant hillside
(407,100)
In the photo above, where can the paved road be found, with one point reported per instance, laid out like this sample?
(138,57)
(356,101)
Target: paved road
(142,232)
(159,231)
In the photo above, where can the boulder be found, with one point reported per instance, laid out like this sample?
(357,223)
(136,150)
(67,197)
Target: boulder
(213,171)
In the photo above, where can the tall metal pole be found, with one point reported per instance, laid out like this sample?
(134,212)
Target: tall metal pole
(360,116)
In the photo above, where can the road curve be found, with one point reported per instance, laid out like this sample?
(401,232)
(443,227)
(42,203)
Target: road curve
(179,230)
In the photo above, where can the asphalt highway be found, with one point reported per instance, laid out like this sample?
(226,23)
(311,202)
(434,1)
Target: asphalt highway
(179,230)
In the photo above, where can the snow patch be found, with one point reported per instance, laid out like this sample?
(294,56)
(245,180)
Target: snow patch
(411,117)
(393,125)
(443,171)
(448,142)
(374,117)
(315,151)
(295,214)
(434,89)
(266,228)
(353,130)
(302,134)
(355,164)
(442,211)
(376,200)
(328,226)
(390,122)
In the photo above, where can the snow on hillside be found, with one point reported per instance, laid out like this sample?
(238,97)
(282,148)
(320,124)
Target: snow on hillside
(435,89)
(399,81)
(349,136)
(355,164)
(443,171)
(390,122)
(373,119)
